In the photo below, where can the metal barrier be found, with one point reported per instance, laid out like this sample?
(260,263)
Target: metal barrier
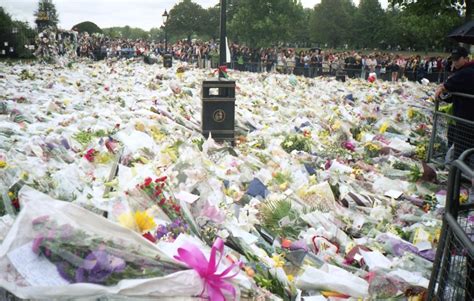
(450,136)
(452,277)
(327,70)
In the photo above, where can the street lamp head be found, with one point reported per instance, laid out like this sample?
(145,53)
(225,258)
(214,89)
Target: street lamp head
(165,17)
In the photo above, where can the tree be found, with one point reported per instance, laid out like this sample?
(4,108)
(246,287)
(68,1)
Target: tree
(332,22)
(186,19)
(465,7)
(266,22)
(17,34)
(126,32)
(157,34)
(46,15)
(409,28)
(211,27)
(369,20)
(88,27)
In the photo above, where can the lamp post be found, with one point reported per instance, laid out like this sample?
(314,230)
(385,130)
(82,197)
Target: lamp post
(167,58)
(223,34)
(165,20)
(218,109)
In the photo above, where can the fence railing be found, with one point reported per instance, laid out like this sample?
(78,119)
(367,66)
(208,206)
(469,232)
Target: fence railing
(450,135)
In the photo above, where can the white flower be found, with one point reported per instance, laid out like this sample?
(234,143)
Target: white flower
(223,234)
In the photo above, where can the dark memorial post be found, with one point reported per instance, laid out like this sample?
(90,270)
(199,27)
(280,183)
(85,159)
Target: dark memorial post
(167,58)
(218,96)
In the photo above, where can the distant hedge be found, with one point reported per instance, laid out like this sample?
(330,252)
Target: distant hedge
(87,27)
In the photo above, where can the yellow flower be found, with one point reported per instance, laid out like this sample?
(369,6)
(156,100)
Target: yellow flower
(336,125)
(463,198)
(10,194)
(103,158)
(144,221)
(410,113)
(278,261)
(126,220)
(3,164)
(383,127)
(139,126)
(291,278)
(24,175)
(157,134)
(141,221)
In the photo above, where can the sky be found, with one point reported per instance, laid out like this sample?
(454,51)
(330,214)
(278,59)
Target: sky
(144,14)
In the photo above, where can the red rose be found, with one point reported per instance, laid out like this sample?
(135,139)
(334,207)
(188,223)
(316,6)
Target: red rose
(148,181)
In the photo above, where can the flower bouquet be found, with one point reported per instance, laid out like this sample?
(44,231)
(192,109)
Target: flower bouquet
(57,250)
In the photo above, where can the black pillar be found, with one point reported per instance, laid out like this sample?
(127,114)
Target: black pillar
(222,46)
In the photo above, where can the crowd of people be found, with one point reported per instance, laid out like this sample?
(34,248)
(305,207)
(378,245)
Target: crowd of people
(309,63)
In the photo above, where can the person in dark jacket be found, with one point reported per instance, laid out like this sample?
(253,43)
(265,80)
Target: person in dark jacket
(461,81)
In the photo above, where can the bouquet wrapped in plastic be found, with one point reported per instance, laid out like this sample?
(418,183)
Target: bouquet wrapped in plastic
(57,250)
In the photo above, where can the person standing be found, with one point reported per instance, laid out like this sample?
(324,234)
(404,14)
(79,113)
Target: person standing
(461,81)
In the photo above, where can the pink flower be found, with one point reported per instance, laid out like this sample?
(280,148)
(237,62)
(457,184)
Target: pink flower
(348,145)
(213,213)
(90,155)
(328,164)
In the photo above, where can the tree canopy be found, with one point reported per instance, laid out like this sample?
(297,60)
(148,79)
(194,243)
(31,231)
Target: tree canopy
(17,34)
(46,14)
(186,19)
(88,27)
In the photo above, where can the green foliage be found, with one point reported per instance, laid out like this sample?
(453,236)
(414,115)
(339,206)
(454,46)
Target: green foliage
(85,137)
(46,14)
(415,173)
(17,34)
(274,212)
(296,142)
(370,18)
(265,23)
(332,22)
(186,19)
(127,32)
(88,27)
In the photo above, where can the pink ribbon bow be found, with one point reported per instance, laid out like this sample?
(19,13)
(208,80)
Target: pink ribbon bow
(214,283)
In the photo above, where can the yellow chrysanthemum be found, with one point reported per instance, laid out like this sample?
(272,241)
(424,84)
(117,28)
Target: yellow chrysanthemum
(383,128)
(291,278)
(144,221)
(278,261)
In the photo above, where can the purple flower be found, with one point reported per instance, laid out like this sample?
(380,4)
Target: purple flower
(161,231)
(299,245)
(62,268)
(98,266)
(65,143)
